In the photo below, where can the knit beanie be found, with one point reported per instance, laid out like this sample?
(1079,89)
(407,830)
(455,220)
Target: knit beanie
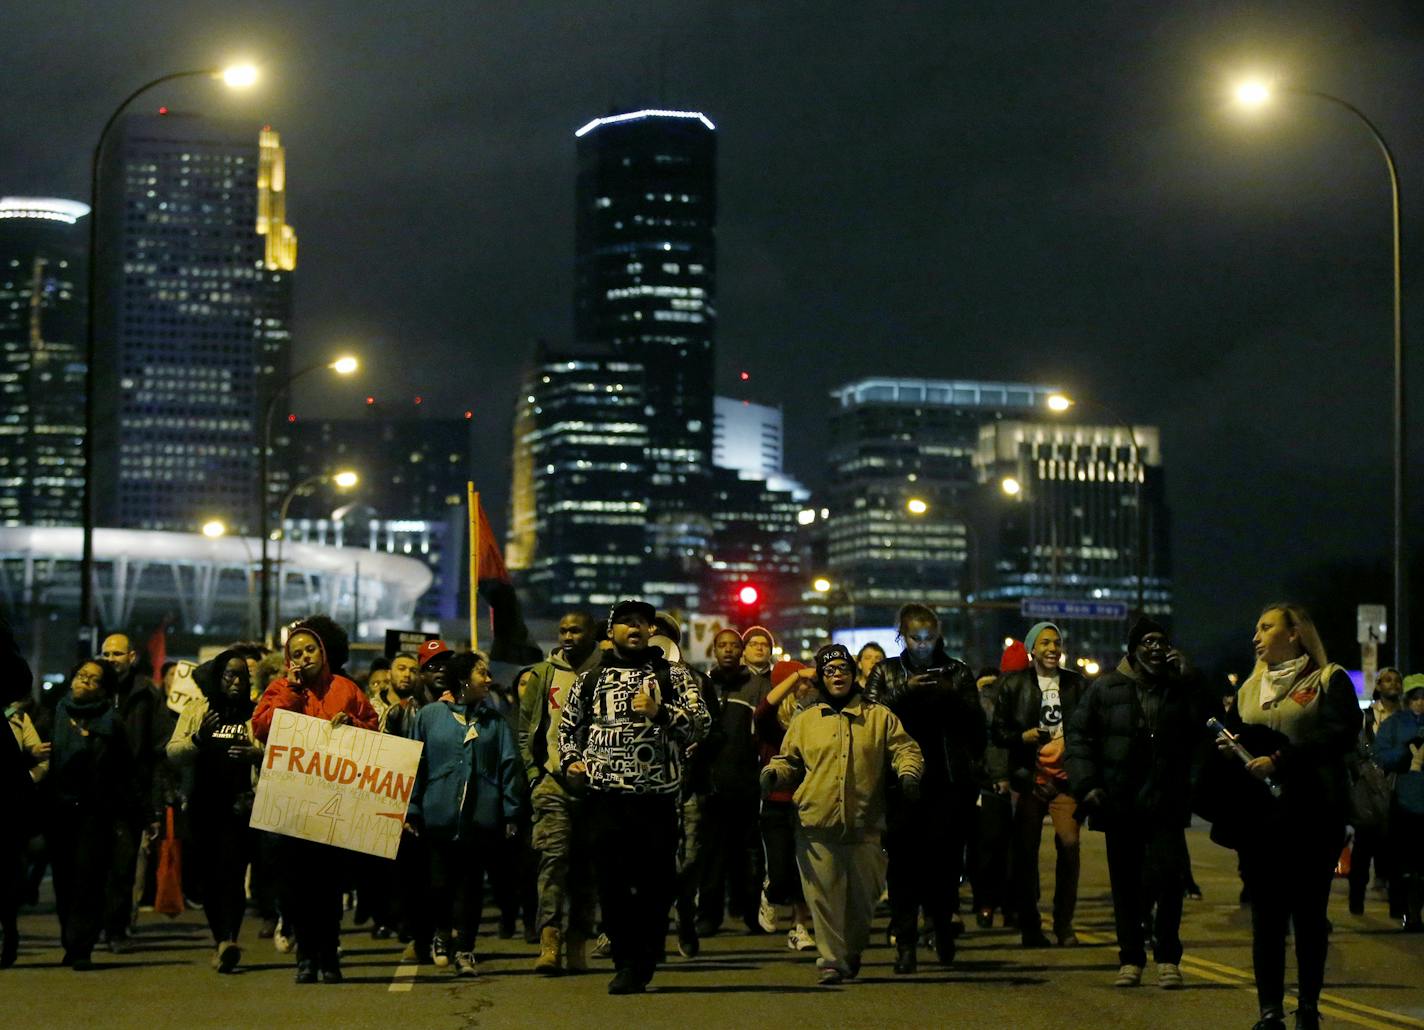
(1031,637)
(1015,658)
(1140,629)
(759,631)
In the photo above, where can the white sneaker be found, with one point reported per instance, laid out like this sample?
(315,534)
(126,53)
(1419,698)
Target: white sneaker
(1128,976)
(465,964)
(603,947)
(1169,976)
(439,951)
(766,914)
(799,939)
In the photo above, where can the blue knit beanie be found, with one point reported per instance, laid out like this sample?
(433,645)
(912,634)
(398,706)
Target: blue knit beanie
(1031,637)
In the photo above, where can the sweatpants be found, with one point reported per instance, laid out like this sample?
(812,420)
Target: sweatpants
(635,861)
(223,845)
(842,882)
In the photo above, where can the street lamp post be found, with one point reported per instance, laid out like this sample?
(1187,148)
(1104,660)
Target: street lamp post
(1257,94)
(341,366)
(344,480)
(1061,403)
(235,77)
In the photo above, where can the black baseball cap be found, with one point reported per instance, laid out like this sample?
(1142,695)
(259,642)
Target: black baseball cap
(631,606)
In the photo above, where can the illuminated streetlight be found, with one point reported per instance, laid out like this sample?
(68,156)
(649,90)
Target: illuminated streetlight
(345,365)
(1092,668)
(1059,403)
(821,585)
(1011,486)
(805,516)
(916,506)
(1253,93)
(214,528)
(87,628)
(346,479)
(239,76)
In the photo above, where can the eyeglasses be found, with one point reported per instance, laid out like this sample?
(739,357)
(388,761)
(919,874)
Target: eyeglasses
(88,677)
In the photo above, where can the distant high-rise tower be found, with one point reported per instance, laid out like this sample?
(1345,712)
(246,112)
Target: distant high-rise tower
(43,244)
(193,318)
(646,287)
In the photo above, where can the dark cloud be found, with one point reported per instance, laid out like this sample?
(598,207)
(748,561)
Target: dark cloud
(989,190)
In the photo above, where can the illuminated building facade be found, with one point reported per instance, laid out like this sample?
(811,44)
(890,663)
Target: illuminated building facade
(580,493)
(894,441)
(645,289)
(1071,529)
(411,499)
(43,247)
(193,318)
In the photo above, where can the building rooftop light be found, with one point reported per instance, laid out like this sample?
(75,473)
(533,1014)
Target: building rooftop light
(50,209)
(636,116)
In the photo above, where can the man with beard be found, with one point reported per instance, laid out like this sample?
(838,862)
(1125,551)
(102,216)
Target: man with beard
(560,836)
(311,874)
(623,731)
(731,856)
(1130,749)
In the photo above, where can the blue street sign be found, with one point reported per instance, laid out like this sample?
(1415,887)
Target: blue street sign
(1050,608)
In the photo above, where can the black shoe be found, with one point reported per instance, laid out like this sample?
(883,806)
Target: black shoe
(380,933)
(852,967)
(1307,1019)
(1036,938)
(306,972)
(80,963)
(706,929)
(906,961)
(508,928)
(1412,923)
(331,974)
(1357,906)
(944,951)
(268,928)
(1270,1023)
(626,981)
(688,943)
(984,918)
(1194,892)
(120,944)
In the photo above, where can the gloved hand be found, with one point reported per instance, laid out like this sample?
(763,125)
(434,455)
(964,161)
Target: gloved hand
(767,781)
(910,789)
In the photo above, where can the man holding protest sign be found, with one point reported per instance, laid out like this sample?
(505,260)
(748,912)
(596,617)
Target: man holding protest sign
(310,886)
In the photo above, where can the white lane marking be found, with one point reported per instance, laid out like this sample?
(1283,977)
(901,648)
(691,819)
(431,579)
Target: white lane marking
(404,978)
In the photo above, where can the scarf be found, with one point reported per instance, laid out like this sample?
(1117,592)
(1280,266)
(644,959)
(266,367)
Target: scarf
(1277,680)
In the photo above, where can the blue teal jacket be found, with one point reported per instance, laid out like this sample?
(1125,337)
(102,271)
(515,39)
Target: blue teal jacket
(1392,753)
(470,773)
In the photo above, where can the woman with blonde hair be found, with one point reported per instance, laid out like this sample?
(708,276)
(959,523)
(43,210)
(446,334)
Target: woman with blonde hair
(1299,718)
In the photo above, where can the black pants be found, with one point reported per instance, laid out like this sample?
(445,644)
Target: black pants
(222,847)
(311,878)
(778,836)
(412,917)
(1371,848)
(635,840)
(1288,867)
(731,858)
(925,846)
(990,851)
(82,846)
(1146,871)
(266,873)
(1407,833)
(119,893)
(456,884)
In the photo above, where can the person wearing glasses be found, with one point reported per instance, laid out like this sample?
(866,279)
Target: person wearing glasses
(1130,747)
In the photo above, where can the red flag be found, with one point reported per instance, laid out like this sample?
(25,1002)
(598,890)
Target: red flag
(491,560)
(157,648)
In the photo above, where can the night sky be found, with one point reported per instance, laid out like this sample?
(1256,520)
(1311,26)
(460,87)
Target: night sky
(1009,190)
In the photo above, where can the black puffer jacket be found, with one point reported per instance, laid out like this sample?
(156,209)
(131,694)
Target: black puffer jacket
(1139,748)
(1017,711)
(945,719)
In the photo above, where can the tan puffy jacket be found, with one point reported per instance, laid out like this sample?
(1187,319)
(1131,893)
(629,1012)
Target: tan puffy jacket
(839,764)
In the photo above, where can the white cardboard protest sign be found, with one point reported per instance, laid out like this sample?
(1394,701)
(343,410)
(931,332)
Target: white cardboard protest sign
(335,785)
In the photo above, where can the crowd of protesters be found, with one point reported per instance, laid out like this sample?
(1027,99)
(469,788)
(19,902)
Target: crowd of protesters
(612,792)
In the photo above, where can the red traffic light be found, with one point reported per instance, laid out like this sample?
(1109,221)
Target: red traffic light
(748,595)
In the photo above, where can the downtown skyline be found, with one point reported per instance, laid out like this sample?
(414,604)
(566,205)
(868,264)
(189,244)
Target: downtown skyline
(901,193)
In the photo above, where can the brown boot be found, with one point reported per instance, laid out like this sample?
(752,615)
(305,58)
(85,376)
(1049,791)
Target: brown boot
(576,953)
(548,961)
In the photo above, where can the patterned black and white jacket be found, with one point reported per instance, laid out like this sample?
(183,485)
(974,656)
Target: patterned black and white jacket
(623,751)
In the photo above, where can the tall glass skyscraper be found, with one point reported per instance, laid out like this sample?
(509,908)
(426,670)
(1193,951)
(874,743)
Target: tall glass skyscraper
(193,318)
(646,288)
(43,245)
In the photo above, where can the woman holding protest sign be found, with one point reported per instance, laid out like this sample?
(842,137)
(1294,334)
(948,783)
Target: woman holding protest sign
(214,738)
(311,875)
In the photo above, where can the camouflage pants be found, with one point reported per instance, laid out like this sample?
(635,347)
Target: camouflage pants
(567,894)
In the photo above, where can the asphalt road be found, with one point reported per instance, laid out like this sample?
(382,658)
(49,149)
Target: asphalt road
(1375,979)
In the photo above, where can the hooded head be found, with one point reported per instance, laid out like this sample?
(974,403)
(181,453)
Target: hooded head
(226,682)
(307,665)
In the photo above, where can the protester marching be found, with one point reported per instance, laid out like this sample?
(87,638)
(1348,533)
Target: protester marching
(664,797)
